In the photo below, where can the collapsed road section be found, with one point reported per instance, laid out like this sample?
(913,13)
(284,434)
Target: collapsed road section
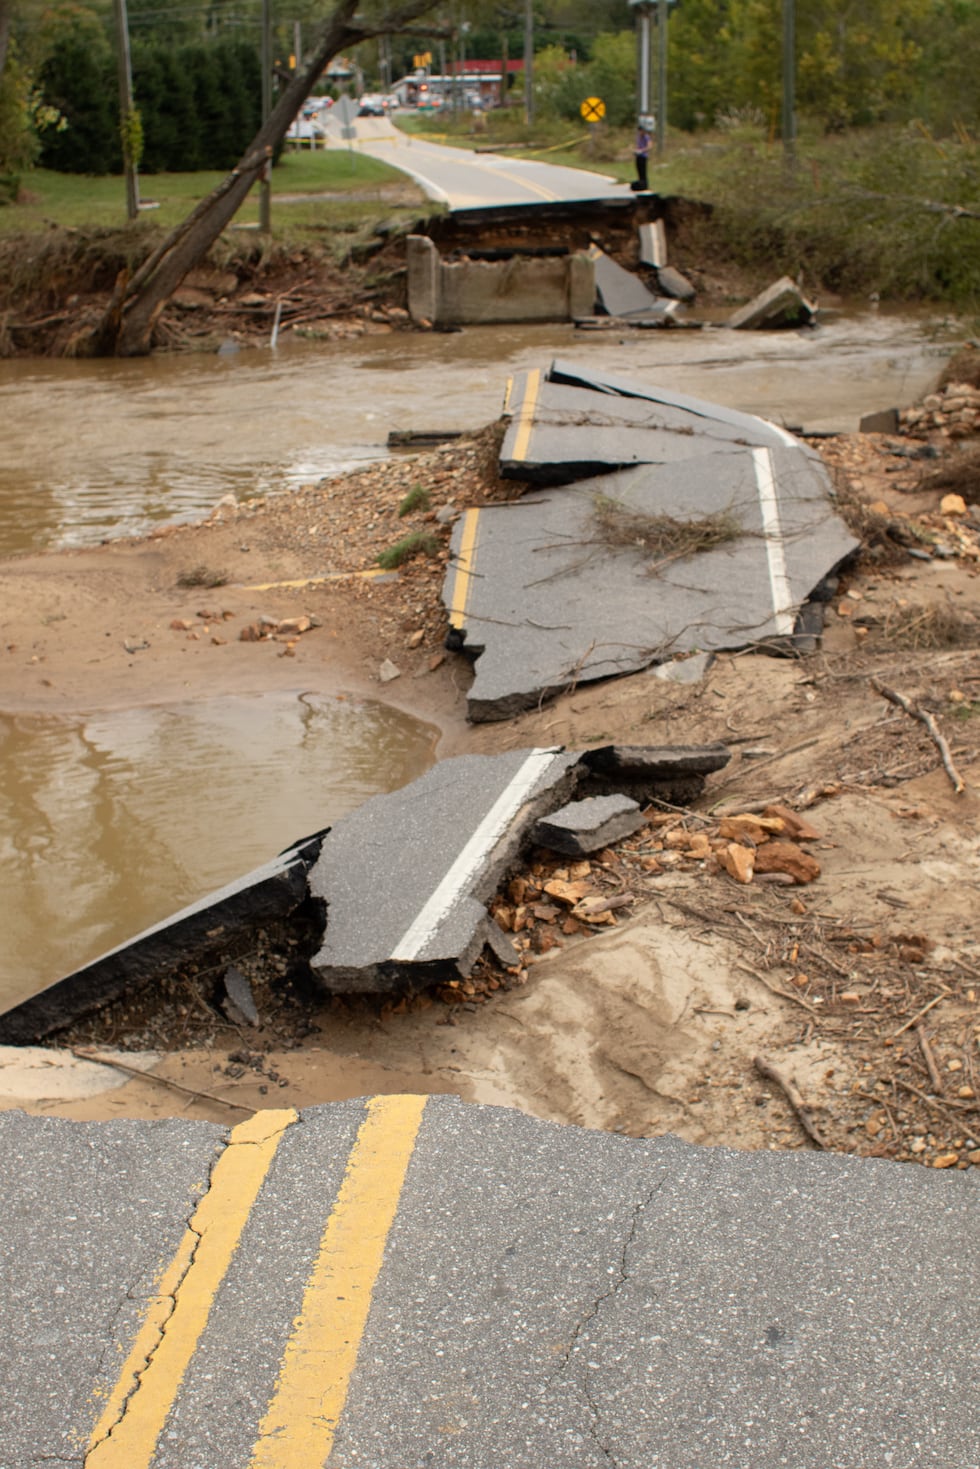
(393,898)
(656,525)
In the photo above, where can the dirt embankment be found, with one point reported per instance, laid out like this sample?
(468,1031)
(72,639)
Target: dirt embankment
(56,286)
(859,988)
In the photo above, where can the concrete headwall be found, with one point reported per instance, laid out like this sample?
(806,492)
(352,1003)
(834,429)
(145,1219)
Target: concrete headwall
(523,288)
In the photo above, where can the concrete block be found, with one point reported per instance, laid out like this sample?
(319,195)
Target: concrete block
(422,259)
(519,288)
(653,244)
(674,284)
(780,305)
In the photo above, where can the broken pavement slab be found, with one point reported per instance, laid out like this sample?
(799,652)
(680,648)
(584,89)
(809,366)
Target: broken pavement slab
(565,424)
(587,826)
(269,892)
(544,594)
(392,898)
(436,851)
(780,305)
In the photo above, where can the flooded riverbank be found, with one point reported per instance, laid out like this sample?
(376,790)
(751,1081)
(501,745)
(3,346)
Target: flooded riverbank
(94,450)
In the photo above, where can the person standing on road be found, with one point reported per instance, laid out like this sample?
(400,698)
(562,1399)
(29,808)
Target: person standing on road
(641,152)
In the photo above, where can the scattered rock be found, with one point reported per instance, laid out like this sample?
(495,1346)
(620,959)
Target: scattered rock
(388,671)
(738,861)
(787,857)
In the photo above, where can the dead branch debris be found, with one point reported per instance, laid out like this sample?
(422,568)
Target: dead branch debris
(924,717)
(804,1115)
(663,537)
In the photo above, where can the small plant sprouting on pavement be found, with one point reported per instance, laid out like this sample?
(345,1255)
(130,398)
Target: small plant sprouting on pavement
(663,537)
(419,543)
(416,499)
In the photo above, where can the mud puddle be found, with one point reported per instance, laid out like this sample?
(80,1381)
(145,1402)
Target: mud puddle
(110,822)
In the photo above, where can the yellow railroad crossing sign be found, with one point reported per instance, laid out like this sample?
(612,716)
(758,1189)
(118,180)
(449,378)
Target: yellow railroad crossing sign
(593,109)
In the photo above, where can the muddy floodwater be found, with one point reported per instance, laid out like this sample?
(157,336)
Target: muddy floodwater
(109,822)
(90,450)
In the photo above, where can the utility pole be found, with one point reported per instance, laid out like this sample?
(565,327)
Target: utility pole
(265,186)
(126,109)
(662,78)
(528,62)
(789,83)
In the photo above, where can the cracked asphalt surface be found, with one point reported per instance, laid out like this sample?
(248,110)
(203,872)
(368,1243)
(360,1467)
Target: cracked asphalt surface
(541,1296)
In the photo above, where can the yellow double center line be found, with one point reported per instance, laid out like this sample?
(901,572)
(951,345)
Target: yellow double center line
(298,1429)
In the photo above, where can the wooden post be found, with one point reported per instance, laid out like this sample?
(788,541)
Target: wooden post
(126,107)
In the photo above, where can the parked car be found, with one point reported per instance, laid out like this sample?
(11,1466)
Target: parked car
(307,130)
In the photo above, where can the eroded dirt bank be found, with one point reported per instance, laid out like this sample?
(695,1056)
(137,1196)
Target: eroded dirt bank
(861,986)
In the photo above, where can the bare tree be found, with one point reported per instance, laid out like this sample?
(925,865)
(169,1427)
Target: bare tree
(126,327)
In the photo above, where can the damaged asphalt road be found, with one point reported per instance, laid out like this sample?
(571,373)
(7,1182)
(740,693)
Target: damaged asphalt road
(553,589)
(411,1281)
(395,893)
(561,586)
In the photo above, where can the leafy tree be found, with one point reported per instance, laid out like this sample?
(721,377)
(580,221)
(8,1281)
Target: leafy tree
(948,92)
(562,85)
(700,66)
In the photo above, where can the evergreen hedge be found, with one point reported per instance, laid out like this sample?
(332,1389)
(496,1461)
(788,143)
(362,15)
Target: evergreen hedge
(200,106)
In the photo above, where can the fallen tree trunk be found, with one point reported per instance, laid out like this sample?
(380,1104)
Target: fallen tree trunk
(126,326)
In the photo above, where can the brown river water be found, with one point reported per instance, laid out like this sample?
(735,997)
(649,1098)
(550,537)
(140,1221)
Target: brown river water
(108,822)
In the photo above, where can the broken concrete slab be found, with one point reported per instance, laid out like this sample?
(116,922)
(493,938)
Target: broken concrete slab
(674,284)
(685,670)
(518,288)
(269,892)
(589,825)
(544,594)
(780,305)
(653,243)
(662,321)
(641,766)
(406,876)
(618,291)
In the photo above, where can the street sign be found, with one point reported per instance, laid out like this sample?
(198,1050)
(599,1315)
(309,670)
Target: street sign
(345,111)
(593,109)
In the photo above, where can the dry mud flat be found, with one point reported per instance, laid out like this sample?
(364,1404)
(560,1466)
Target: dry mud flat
(860,987)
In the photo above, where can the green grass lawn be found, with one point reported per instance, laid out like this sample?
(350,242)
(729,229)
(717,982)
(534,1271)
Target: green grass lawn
(74,201)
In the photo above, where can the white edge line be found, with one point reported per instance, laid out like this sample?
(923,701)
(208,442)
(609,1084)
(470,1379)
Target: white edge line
(424,925)
(782,597)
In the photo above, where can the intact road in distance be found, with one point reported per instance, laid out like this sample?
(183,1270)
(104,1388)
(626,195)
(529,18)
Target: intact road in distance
(463,179)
